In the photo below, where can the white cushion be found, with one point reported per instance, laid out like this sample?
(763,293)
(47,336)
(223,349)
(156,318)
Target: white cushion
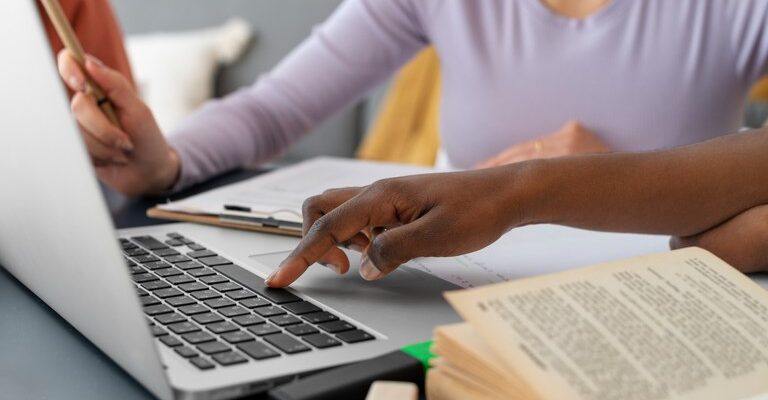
(175,71)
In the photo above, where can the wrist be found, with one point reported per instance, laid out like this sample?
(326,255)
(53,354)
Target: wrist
(528,193)
(167,175)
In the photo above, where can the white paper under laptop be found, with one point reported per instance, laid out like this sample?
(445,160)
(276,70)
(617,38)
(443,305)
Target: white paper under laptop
(281,193)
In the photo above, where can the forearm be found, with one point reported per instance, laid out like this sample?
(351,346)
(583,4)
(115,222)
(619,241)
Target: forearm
(679,192)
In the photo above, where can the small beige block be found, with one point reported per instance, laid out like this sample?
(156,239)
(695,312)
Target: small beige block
(391,390)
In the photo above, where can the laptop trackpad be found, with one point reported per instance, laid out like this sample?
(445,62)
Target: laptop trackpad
(402,287)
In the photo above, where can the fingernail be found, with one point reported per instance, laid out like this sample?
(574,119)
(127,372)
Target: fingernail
(333,267)
(368,271)
(271,277)
(125,145)
(95,61)
(76,83)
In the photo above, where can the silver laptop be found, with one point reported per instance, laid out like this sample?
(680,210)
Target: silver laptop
(182,308)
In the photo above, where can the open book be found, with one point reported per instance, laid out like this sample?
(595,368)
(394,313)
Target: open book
(677,325)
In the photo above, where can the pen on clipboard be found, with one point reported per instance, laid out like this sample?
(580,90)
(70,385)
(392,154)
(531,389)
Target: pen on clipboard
(264,221)
(68,37)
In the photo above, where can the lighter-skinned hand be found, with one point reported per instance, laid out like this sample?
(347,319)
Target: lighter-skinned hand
(572,138)
(134,160)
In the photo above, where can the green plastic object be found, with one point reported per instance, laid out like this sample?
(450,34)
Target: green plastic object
(420,351)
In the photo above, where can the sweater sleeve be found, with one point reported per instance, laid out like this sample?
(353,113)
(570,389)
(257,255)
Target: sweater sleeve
(360,44)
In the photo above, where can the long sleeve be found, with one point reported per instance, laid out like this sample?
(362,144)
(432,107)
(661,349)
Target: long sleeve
(359,45)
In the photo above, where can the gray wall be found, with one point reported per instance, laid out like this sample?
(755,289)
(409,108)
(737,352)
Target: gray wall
(279,26)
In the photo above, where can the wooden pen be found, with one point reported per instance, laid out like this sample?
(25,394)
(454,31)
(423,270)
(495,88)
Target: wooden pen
(67,35)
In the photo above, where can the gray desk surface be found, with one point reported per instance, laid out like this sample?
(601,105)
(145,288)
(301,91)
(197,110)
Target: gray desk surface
(43,357)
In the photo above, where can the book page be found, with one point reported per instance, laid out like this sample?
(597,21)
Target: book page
(678,325)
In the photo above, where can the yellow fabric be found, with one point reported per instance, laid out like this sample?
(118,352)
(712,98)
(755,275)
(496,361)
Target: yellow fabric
(760,91)
(405,129)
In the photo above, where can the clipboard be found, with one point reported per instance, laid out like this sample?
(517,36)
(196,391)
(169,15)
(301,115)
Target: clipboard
(253,224)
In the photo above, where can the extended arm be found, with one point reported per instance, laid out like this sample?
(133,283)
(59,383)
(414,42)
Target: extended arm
(680,192)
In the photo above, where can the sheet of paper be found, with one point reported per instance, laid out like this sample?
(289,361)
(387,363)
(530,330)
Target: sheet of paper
(282,192)
(677,325)
(536,250)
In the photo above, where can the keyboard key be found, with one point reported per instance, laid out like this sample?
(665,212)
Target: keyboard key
(212,279)
(165,252)
(195,246)
(321,340)
(319,317)
(154,285)
(171,341)
(145,277)
(157,331)
(230,358)
(180,301)
(237,337)
(185,352)
(173,242)
(180,279)
(201,253)
(284,320)
(240,294)
(200,272)
(135,269)
(170,318)
(130,263)
(227,287)
(248,320)
(263,329)
(187,241)
(215,260)
(148,301)
(156,265)
(286,343)
(221,327)
(141,292)
(176,259)
(355,336)
(198,337)
(186,265)
(183,327)
(175,235)
(269,311)
(192,287)
(213,347)
(254,302)
(146,258)
(302,307)
(205,294)
(255,283)
(233,311)
(207,318)
(168,292)
(202,363)
(135,252)
(194,309)
(148,242)
(157,309)
(257,350)
(336,326)
(219,303)
(166,272)
(301,329)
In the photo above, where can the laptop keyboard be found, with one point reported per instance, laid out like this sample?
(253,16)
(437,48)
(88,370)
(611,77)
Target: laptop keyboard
(215,313)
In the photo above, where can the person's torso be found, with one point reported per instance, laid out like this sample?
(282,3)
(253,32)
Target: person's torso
(641,74)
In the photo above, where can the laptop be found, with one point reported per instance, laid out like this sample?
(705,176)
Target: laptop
(181,307)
